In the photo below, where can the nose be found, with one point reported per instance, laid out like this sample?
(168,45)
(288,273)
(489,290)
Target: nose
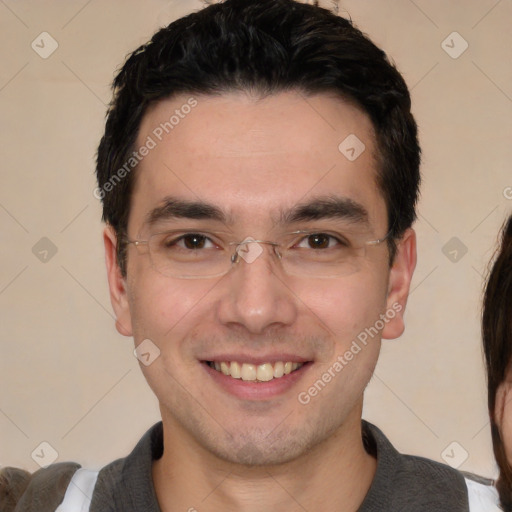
(255,294)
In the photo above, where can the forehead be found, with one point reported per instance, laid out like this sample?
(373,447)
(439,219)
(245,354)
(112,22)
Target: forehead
(254,157)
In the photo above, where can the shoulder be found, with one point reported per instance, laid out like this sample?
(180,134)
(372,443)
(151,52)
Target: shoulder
(42,491)
(414,465)
(408,482)
(424,476)
(110,488)
(412,470)
(483,496)
(127,483)
(430,477)
(13,482)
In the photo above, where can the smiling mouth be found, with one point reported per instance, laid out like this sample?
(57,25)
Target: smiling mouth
(255,372)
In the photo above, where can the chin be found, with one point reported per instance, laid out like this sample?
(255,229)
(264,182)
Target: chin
(263,447)
(254,454)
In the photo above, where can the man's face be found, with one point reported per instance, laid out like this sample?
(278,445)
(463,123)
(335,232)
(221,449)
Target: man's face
(263,168)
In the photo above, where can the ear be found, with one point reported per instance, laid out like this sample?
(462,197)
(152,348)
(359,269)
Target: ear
(399,284)
(116,283)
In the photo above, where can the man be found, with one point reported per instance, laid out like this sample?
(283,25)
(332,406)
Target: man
(259,174)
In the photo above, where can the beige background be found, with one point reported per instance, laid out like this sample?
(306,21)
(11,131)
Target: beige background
(68,378)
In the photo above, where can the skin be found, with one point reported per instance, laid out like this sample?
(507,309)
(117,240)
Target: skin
(503,411)
(253,158)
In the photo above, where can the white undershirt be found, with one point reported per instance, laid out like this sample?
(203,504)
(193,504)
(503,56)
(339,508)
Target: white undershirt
(482,498)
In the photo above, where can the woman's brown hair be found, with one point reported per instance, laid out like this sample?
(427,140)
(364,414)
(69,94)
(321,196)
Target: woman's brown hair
(497,339)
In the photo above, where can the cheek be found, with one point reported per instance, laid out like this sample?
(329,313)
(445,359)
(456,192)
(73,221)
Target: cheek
(162,308)
(347,306)
(166,311)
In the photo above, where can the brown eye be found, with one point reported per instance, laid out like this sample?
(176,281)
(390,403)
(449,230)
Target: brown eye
(194,241)
(319,241)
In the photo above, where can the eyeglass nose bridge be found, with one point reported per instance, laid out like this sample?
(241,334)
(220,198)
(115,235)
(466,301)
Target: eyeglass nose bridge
(249,255)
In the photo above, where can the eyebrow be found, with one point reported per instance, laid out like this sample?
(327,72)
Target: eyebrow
(326,207)
(330,207)
(173,208)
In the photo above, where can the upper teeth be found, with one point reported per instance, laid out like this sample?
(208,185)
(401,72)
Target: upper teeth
(261,372)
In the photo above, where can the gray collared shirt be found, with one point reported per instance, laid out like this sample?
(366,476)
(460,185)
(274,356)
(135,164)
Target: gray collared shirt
(402,483)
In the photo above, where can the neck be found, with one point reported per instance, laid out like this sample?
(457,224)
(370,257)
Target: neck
(333,476)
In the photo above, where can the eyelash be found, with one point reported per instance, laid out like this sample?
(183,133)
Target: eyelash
(339,240)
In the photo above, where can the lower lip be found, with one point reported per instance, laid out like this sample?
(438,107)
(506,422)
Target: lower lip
(251,390)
